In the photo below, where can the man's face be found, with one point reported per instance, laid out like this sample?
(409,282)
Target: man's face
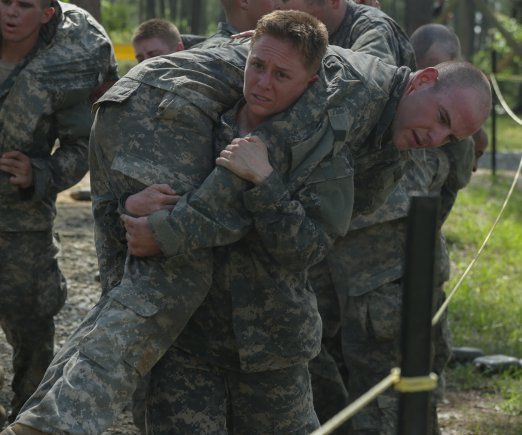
(21,20)
(151,47)
(428,118)
(258,8)
(275,77)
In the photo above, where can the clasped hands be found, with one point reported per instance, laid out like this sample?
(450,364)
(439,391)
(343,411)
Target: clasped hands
(245,157)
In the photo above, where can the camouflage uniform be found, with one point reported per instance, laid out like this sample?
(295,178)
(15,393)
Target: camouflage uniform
(365,30)
(369,30)
(222,36)
(132,307)
(164,111)
(45,98)
(230,332)
(369,283)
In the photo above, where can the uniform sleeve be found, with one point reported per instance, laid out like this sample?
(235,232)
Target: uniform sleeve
(68,164)
(212,215)
(109,234)
(378,42)
(296,229)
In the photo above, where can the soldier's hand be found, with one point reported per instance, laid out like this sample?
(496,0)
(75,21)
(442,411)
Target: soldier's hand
(247,158)
(151,199)
(245,34)
(140,241)
(19,166)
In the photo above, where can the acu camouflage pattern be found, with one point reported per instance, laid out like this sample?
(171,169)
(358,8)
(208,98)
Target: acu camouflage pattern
(164,111)
(47,98)
(53,406)
(222,36)
(44,98)
(32,287)
(263,342)
(368,30)
(278,401)
(369,281)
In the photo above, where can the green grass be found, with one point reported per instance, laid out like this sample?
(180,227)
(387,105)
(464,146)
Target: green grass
(487,310)
(509,134)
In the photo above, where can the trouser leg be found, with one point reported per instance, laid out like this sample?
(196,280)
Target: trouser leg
(275,401)
(32,340)
(371,337)
(186,396)
(32,291)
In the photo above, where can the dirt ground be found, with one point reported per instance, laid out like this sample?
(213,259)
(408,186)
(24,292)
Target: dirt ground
(474,412)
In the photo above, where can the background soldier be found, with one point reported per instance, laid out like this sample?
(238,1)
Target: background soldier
(154,38)
(52,57)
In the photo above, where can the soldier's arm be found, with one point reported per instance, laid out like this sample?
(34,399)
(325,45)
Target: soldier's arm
(298,229)
(68,164)
(379,40)
(109,234)
(212,215)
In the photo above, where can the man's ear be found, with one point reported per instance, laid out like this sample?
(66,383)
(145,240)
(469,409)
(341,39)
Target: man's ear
(180,46)
(335,4)
(314,78)
(47,14)
(427,76)
(243,4)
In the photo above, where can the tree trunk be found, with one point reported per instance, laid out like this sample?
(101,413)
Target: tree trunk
(197,17)
(91,6)
(464,26)
(173,9)
(162,9)
(417,13)
(151,9)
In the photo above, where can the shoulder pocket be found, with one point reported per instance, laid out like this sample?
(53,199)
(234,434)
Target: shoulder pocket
(119,92)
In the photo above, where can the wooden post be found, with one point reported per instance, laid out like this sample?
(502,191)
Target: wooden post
(197,17)
(419,274)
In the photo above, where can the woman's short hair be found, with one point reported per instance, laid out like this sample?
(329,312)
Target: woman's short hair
(305,32)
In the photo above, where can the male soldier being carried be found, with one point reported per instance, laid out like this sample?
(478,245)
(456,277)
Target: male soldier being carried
(53,55)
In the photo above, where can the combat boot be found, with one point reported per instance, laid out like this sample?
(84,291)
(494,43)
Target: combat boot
(20,429)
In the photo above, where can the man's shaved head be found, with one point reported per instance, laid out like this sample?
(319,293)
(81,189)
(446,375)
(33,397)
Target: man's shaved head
(434,44)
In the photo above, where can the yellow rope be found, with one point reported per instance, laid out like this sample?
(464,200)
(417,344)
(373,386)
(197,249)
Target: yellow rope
(402,384)
(502,101)
(352,409)
(443,307)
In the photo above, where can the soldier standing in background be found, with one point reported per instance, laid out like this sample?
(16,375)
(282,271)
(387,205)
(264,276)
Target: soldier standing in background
(154,38)
(53,55)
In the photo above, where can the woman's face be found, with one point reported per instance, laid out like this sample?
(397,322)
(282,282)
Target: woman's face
(275,77)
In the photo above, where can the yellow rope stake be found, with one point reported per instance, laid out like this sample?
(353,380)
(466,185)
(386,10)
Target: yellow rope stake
(416,384)
(502,101)
(404,385)
(443,307)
